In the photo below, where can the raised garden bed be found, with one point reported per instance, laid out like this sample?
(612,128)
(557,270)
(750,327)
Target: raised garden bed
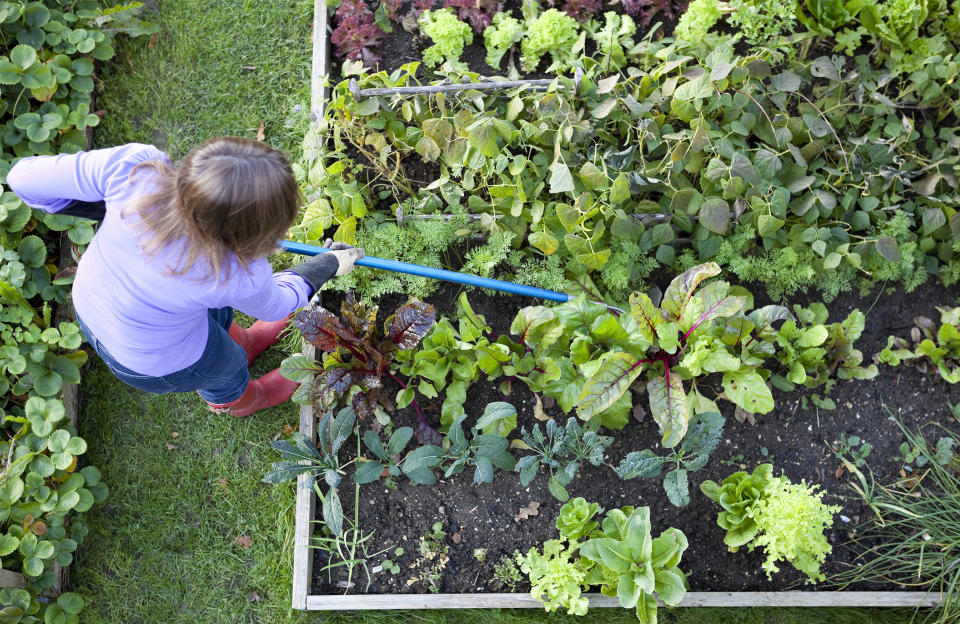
(798,437)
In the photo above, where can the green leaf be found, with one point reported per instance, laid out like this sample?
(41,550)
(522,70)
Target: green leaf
(677,487)
(71,603)
(499,418)
(787,81)
(484,138)
(332,511)
(23,56)
(561,181)
(887,247)
(368,472)
(607,384)
(557,489)
(768,225)
(609,553)
(699,87)
(545,242)
(715,215)
(668,406)
(748,390)
(933,219)
(680,290)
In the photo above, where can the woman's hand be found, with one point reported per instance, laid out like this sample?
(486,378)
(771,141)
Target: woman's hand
(347,255)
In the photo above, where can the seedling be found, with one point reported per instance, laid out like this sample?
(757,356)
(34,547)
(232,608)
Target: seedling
(434,556)
(506,574)
(854,448)
(480,554)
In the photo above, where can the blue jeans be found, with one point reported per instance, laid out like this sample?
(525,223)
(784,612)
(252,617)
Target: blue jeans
(220,375)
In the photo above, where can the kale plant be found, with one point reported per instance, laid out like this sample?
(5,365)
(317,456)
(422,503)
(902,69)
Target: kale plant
(301,456)
(487,446)
(932,349)
(387,456)
(692,455)
(560,450)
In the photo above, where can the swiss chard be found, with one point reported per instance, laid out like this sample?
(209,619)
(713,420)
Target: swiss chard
(356,357)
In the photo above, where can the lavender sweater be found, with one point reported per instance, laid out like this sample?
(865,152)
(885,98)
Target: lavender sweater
(151,322)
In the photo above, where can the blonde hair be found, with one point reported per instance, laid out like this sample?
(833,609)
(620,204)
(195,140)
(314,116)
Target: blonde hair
(228,196)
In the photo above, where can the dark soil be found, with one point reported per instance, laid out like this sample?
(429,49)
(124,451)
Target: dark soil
(793,437)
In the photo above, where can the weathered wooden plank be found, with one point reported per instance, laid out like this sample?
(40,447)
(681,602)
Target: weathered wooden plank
(9,578)
(320,69)
(306,501)
(692,599)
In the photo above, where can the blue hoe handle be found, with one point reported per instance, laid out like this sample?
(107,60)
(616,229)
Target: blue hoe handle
(437,274)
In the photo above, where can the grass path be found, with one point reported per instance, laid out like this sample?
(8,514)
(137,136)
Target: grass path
(170,547)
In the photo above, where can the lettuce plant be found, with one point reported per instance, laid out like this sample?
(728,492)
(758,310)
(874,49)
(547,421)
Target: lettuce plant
(555,578)
(580,10)
(791,519)
(826,17)
(897,23)
(449,36)
(762,22)
(553,32)
(478,13)
(646,10)
(737,495)
(931,348)
(787,519)
(816,354)
(692,455)
(698,19)
(626,562)
(560,450)
(575,519)
(357,36)
(500,36)
(356,357)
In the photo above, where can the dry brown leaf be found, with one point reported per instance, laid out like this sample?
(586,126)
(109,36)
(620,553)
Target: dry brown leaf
(455,538)
(153,40)
(532,509)
(174,434)
(519,444)
(839,471)
(255,597)
(638,412)
(538,412)
(243,541)
(223,482)
(260,132)
(171,447)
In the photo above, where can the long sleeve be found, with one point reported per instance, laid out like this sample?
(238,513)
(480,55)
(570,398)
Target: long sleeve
(268,296)
(50,183)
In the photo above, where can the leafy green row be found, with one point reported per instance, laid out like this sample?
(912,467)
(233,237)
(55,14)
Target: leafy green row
(816,174)
(46,82)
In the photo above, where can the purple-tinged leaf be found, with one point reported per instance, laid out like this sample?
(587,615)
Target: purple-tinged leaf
(714,302)
(322,328)
(478,13)
(668,405)
(764,318)
(680,290)
(646,315)
(427,435)
(361,318)
(409,324)
(608,384)
(364,404)
(338,380)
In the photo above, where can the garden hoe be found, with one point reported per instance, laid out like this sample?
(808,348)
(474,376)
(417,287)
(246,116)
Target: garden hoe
(441,274)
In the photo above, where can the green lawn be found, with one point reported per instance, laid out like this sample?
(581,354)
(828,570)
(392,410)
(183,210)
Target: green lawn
(185,484)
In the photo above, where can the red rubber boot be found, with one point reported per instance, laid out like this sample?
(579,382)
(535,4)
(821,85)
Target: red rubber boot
(258,337)
(271,389)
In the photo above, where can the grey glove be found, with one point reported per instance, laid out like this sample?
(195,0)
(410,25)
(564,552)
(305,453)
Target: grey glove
(319,269)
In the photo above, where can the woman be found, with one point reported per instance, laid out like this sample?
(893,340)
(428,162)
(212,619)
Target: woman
(180,248)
